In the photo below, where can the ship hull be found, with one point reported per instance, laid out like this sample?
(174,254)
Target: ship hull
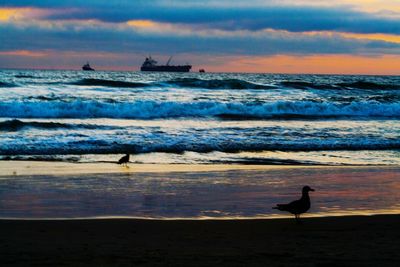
(184,68)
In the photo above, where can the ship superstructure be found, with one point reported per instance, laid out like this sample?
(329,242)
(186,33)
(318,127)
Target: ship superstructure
(151,65)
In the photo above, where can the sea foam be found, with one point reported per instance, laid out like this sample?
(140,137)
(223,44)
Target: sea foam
(170,109)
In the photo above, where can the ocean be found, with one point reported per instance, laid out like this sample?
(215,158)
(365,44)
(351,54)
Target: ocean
(199,118)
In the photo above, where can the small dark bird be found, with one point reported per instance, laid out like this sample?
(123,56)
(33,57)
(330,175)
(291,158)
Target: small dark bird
(124,160)
(297,207)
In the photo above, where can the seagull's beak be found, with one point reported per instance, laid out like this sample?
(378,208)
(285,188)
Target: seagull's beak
(312,189)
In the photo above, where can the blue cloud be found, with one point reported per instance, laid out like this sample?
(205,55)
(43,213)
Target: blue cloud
(124,39)
(290,18)
(280,18)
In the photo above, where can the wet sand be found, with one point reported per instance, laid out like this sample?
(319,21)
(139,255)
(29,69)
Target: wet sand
(333,241)
(10,168)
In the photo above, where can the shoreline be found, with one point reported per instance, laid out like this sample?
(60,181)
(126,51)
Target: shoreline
(106,219)
(15,168)
(341,241)
(194,219)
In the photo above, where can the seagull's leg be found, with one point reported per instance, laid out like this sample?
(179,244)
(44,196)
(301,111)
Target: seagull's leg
(298,219)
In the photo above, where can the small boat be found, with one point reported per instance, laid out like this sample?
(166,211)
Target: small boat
(202,70)
(87,67)
(151,65)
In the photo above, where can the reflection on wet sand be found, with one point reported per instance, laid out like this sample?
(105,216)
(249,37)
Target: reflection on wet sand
(213,193)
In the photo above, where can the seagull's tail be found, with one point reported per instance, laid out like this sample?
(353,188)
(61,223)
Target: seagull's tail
(281,207)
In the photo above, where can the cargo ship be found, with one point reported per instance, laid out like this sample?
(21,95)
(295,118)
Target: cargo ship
(151,65)
(87,67)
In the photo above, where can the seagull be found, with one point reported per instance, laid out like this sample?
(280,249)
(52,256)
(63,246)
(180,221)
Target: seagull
(297,207)
(124,160)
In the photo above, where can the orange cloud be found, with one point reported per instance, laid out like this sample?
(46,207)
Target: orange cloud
(318,64)
(23,53)
(161,27)
(393,38)
(7,14)
(377,37)
(26,13)
(374,6)
(383,7)
(141,23)
(12,13)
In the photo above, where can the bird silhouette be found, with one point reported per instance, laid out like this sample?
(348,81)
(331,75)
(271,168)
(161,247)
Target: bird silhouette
(124,160)
(297,207)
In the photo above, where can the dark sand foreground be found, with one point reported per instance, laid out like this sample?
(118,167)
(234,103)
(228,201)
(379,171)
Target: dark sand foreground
(333,241)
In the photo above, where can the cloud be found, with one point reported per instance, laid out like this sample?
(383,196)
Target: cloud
(18,14)
(321,64)
(23,53)
(148,36)
(248,18)
(253,16)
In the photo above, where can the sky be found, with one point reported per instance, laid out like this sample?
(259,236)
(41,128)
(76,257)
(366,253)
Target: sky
(272,36)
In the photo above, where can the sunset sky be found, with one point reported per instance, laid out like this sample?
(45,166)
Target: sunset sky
(278,36)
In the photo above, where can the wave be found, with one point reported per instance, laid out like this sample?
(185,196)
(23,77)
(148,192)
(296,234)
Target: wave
(4,84)
(109,83)
(82,147)
(41,158)
(17,125)
(168,109)
(230,84)
(270,161)
(340,86)
(306,85)
(369,85)
(243,161)
(217,84)
(181,82)
(24,76)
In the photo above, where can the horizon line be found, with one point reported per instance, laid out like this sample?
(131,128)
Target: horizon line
(212,72)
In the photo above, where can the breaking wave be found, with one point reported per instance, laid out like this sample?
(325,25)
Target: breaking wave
(24,76)
(16,125)
(109,83)
(169,109)
(4,84)
(181,82)
(370,85)
(340,86)
(306,85)
(217,84)
(236,84)
(172,146)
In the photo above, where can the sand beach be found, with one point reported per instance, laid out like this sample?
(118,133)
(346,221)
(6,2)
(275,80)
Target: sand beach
(334,238)
(329,241)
